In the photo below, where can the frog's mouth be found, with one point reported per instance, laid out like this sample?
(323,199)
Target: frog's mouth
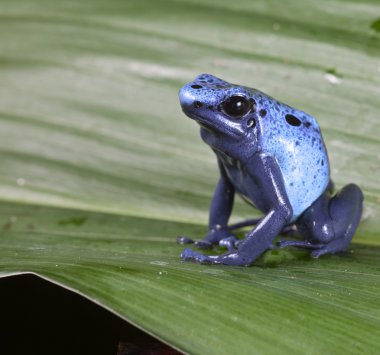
(213,129)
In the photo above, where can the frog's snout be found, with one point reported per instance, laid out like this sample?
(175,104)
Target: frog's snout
(186,98)
(190,93)
(200,92)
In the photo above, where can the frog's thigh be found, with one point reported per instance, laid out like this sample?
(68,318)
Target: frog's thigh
(315,224)
(346,209)
(333,219)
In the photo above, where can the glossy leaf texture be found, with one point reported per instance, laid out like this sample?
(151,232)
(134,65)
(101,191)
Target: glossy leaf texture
(100,170)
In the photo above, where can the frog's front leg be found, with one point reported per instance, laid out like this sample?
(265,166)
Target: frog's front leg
(266,172)
(220,211)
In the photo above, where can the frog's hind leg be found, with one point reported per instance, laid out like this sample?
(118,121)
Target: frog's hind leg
(345,211)
(332,221)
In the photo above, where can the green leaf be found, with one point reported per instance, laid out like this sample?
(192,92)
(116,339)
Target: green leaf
(100,169)
(375,25)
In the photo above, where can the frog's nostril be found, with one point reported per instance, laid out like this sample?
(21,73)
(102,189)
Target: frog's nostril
(196,86)
(198,104)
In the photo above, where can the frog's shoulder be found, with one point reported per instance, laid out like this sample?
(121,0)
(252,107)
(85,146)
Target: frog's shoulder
(282,128)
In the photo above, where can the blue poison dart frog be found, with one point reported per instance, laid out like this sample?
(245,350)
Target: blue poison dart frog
(274,157)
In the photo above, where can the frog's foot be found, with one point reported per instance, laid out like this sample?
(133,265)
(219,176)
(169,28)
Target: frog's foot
(181,239)
(299,244)
(229,258)
(334,247)
(201,244)
(192,255)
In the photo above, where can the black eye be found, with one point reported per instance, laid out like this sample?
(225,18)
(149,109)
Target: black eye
(293,120)
(236,106)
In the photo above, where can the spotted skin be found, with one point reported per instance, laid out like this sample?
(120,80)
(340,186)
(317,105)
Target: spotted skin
(274,157)
(299,150)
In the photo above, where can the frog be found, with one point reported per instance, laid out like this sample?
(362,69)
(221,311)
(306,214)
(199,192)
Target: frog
(274,157)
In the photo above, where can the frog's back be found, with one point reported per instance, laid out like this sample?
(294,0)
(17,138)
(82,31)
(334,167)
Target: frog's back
(294,139)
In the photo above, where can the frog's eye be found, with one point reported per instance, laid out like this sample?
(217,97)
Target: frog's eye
(236,106)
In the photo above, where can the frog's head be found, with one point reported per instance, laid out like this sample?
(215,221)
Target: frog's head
(226,113)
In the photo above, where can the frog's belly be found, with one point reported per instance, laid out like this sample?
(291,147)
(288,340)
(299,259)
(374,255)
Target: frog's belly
(248,189)
(303,187)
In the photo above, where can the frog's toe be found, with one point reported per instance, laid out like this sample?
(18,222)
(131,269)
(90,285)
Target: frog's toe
(283,243)
(203,244)
(181,239)
(229,243)
(191,255)
(317,253)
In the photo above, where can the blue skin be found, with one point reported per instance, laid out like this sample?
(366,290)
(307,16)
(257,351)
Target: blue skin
(274,157)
